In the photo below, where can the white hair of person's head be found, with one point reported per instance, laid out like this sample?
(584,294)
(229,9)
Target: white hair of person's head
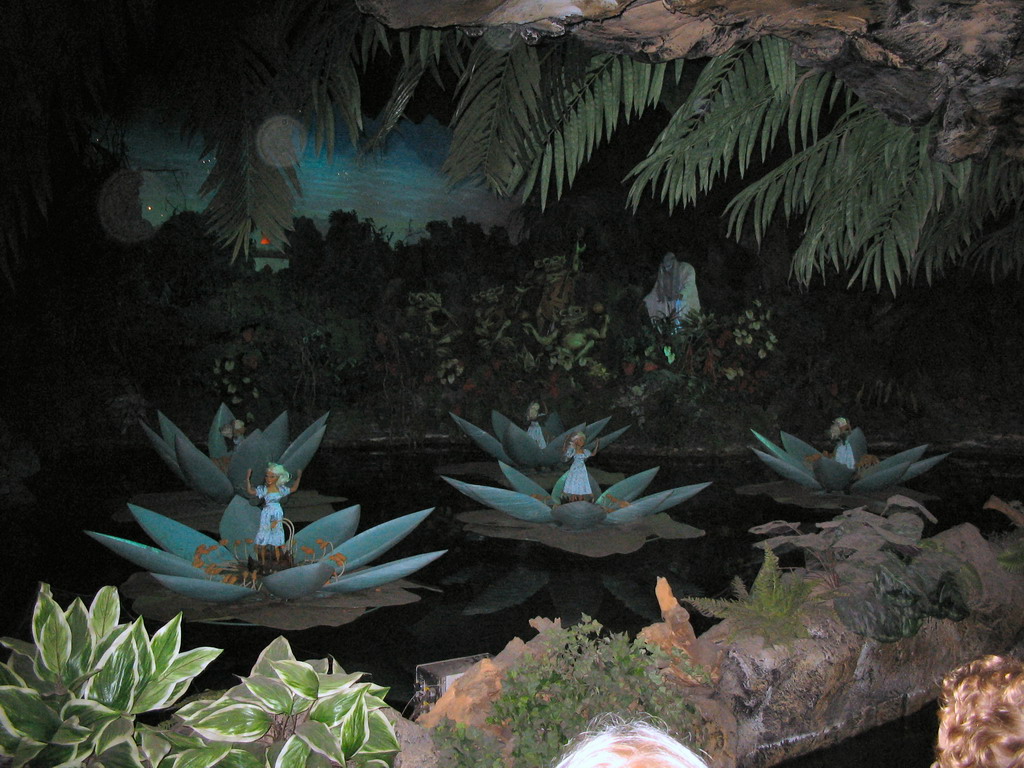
(615,743)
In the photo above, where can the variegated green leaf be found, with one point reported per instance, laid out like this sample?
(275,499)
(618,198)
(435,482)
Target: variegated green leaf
(322,740)
(52,635)
(203,757)
(166,643)
(331,683)
(331,710)
(153,745)
(187,665)
(355,728)
(278,650)
(272,694)
(9,677)
(382,742)
(114,732)
(118,679)
(166,685)
(124,755)
(299,676)
(293,753)
(88,713)
(24,714)
(230,721)
(70,733)
(104,612)
(82,645)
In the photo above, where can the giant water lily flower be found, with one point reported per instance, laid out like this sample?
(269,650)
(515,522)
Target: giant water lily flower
(616,522)
(511,445)
(618,505)
(328,558)
(801,463)
(220,473)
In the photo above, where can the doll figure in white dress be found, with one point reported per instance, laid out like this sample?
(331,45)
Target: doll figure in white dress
(577,482)
(269,542)
(533,414)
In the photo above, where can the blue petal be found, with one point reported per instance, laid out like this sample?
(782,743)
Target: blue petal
(177,538)
(300,581)
(579,515)
(334,528)
(211,591)
(200,471)
(238,527)
(368,578)
(149,558)
(521,482)
(631,487)
(513,503)
(489,443)
(374,542)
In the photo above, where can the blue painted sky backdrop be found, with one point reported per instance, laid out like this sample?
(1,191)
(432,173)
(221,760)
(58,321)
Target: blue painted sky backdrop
(401,189)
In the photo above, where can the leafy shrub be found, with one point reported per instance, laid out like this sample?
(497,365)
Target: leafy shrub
(298,714)
(550,696)
(71,696)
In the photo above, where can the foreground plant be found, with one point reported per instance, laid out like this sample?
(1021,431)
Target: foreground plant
(297,714)
(512,445)
(549,696)
(328,558)
(617,505)
(220,473)
(70,697)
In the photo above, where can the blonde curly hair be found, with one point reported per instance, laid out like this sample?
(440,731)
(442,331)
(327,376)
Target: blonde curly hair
(981,715)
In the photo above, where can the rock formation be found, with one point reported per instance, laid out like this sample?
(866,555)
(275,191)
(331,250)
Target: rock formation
(961,61)
(768,704)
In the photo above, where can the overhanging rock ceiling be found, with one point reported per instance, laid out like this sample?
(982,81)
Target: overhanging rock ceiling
(962,60)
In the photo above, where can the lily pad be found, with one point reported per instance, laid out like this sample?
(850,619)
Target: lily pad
(785,492)
(154,601)
(594,542)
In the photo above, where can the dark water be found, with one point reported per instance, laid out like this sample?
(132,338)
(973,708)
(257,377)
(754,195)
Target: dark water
(501,583)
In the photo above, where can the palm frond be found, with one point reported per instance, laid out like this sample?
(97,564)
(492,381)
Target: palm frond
(332,49)
(249,195)
(497,109)
(983,227)
(304,64)
(579,113)
(738,106)
(431,48)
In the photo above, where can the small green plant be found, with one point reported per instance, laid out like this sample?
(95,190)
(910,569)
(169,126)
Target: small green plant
(550,696)
(298,714)
(772,608)
(70,697)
